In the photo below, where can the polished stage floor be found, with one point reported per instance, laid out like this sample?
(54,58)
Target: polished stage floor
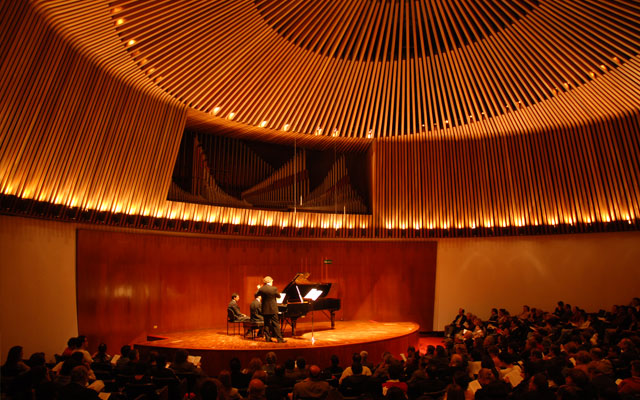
(216,347)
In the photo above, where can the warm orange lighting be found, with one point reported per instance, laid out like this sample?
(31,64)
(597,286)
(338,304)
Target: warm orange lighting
(335,133)
(603,67)
(215,110)
(319,131)
(231,115)
(566,85)
(143,61)
(151,71)
(592,74)
(131,42)
(120,21)
(285,127)
(263,124)
(116,10)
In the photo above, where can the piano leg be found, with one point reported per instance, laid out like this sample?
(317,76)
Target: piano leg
(333,319)
(293,327)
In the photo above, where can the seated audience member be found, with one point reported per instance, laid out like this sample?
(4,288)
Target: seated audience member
(278,385)
(239,379)
(454,392)
(577,381)
(356,359)
(457,324)
(101,355)
(82,345)
(255,364)
(77,389)
(493,389)
(228,392)
(485,376)
(123,360)
(257,390)
(355,384)
(538,388)
(182,365)
(312,387)
(301,370)
(382,369)
(160,370)
(14,365)
(209,389)
(334,371)
(631,386)
(71,347)
(233,310)
(364,360)
(395,373)
(270,362)
(425,381)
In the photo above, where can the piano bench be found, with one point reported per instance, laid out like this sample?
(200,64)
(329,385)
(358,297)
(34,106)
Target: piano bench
(252,327)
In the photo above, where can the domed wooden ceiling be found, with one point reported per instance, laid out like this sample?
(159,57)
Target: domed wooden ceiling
(373,68)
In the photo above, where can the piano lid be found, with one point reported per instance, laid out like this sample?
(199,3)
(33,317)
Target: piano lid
(300,286)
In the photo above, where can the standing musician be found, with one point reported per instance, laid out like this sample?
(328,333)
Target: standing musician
(269,294)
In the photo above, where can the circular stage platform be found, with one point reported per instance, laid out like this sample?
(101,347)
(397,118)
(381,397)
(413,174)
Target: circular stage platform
(217,348)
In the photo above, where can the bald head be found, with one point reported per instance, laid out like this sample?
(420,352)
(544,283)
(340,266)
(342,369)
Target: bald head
(314,372)
(256,387)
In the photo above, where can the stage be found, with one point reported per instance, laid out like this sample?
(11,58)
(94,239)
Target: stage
(216,347)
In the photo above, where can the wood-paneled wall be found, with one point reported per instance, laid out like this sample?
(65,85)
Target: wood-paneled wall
(128,284)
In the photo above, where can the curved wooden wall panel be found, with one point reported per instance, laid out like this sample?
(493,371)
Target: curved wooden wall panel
(86,125)
(74,126)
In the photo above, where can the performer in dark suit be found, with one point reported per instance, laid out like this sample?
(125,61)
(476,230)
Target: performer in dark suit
(269,294)
(234,310)
(256,309)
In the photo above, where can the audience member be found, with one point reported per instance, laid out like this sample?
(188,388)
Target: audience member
(313,387)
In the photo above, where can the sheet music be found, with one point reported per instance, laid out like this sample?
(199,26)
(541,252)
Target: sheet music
(313,294)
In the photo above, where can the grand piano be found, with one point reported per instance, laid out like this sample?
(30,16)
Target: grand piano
(294,304)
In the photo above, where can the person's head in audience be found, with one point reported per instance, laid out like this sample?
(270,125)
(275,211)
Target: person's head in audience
(254,365)
(134,355)
(256,389)
(454,392)
(456,361)
(485,377)
(395,371)
(234,365)
(181,356)
(301,363)
(235,296)
(461,378)
(335,361)
(356,368)
(225,379)
(37,360)
(83,342)
(14,356)
(71,343)
(364,356)
(209,390)
(431,349)
(583,357)
(271,358)
(290,364)
(260,374)
(279,370)
(356,358)
(161,361)
(102,348)
(538,383)
(441,352)
(80,375)
(577,377)
(124,351)
(70,363)
(314,372)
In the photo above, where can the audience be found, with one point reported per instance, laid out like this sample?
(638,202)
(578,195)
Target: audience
(534,355)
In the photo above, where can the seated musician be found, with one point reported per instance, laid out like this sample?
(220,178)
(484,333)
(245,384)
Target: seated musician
(233,310)
(256,314)
(256,309)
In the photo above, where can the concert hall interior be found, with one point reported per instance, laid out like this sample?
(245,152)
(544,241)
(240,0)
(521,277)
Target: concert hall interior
(420,156)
